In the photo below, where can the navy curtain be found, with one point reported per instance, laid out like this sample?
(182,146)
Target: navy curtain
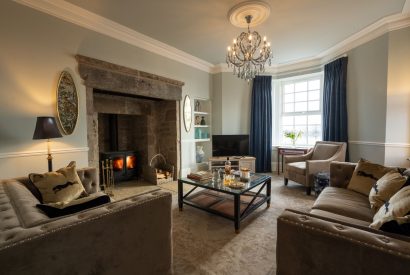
(261,123)
(334,101)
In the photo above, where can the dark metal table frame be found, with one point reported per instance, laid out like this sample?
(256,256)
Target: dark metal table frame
(261,182)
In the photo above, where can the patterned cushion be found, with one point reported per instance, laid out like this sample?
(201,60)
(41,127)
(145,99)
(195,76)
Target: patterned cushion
(365,175)
(385,188)
(63,185)
(396,209)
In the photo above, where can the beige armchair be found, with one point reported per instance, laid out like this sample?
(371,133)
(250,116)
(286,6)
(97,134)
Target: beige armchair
(302,168)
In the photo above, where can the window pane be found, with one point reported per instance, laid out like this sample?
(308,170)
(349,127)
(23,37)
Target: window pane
(289,97)
(289,88)
(315,134)
(301,96)
(301,87)
(303,138)
(314,95)
(314,119)
(314,105)
(300,120)
(287,120)
(312,140)
(288,107)
(314,85)
(301,107)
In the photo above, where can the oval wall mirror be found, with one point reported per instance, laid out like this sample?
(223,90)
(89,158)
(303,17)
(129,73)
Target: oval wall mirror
(187,113)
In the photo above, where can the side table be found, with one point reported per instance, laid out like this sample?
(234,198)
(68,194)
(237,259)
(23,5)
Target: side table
(289,150)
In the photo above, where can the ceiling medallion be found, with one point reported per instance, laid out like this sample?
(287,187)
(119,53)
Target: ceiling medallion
(249,53)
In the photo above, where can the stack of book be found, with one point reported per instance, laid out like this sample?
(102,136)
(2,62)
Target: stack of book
(200,176)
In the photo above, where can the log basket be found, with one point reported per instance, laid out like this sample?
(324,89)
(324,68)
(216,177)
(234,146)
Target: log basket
(159,171)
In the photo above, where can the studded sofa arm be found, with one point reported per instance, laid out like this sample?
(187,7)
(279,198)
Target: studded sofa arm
(309,244)
(124,237)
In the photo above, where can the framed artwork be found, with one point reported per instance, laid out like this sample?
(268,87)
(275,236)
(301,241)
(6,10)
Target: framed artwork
(67,103)
(187,112)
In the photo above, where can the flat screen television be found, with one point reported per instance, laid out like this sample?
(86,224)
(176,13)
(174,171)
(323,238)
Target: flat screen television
(230,145)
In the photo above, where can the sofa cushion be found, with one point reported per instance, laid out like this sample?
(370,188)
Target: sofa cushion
(61,208)
(297,167)
(396,209)
(344,202)
(324,151)
(365,175)
(385,188)
(64,185)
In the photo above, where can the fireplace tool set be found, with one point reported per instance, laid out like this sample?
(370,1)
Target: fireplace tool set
(108,176)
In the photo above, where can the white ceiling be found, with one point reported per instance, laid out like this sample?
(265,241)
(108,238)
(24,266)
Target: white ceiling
(297,29)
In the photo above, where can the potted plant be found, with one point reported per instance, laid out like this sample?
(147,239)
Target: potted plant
(293,135)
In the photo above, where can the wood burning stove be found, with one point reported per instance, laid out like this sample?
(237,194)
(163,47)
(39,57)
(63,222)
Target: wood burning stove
(125,164)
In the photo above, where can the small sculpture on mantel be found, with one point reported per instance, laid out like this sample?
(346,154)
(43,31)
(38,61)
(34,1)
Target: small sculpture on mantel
(197,106)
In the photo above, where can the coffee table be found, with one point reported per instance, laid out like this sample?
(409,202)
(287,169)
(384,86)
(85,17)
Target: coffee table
(230,203)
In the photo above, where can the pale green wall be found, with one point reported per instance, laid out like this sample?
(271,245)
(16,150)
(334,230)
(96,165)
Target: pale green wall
(35,48)
(231,104)
(398,99)
(217,104)
(236,100)
(366,98)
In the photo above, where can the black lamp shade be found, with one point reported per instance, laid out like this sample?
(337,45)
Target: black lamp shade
(46,127)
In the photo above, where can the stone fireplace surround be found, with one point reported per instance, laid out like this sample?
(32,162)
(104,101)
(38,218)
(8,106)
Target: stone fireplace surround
(147,106)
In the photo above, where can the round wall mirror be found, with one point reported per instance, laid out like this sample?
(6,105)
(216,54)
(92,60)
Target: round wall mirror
(187,113)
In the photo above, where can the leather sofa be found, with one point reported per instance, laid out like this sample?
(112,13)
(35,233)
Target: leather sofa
(129,236)
(334,236)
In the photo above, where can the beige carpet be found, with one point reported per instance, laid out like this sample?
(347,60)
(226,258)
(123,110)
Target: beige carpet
(130,188)
(207,244)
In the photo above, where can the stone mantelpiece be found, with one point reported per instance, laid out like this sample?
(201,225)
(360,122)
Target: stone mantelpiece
(111,77)
(114,89)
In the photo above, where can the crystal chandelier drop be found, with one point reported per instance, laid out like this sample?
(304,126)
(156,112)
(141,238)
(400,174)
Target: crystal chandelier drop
(248,54)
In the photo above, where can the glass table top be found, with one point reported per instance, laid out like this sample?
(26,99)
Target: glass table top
(218,185)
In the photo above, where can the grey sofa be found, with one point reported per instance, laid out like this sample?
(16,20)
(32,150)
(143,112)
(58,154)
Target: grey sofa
(130,236)
(334,237)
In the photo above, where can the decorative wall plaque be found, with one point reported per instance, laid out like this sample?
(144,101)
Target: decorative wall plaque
(67,103)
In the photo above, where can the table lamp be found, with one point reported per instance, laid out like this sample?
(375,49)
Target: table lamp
(46,128)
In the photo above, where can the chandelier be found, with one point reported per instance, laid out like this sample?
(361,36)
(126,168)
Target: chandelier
(249,53)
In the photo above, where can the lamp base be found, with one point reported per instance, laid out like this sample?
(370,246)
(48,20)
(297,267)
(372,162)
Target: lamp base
(50,163)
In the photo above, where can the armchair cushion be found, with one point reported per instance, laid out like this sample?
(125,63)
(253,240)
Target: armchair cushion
(296,167)
(324,151)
